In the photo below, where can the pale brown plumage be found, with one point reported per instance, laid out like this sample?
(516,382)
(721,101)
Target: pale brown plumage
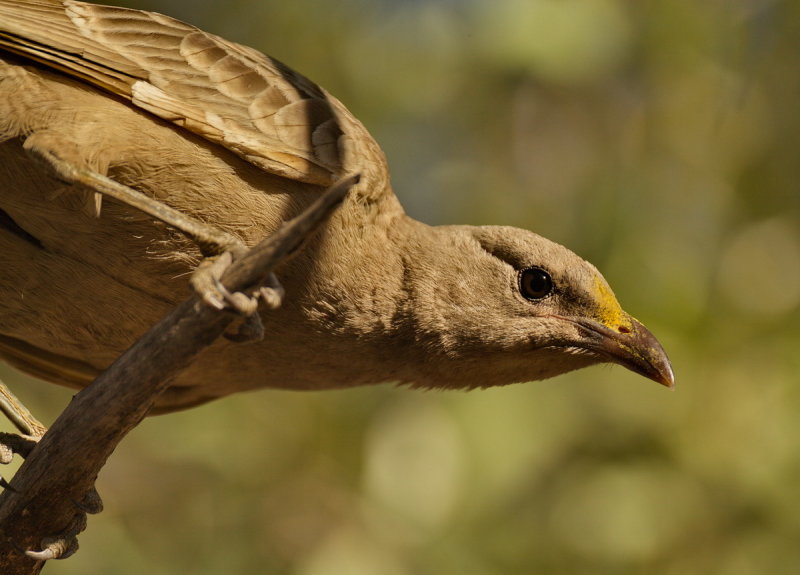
(240,141)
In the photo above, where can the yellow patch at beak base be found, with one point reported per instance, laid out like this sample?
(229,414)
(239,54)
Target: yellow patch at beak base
(610,313)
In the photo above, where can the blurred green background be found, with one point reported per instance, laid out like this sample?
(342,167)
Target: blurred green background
(657,139)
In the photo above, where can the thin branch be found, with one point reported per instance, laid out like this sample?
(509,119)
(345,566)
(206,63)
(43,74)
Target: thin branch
(50,489)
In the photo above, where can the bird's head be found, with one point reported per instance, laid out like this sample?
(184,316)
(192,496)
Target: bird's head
(505,305)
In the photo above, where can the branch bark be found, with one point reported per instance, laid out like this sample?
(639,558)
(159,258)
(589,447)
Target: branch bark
(62,468)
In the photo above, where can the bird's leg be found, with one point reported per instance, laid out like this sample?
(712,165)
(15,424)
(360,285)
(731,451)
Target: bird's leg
(65,543)
(220,248)
(48,149)
(31,431)
(19,415)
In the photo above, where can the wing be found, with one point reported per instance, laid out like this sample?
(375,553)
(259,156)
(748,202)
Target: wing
(227,93)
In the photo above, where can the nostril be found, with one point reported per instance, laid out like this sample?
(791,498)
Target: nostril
(623,329)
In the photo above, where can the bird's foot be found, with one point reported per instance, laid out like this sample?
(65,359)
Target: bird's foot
(31,430)
(206,282)
(65,543)
(14,444)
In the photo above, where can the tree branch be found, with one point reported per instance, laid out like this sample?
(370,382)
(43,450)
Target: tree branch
(60,471)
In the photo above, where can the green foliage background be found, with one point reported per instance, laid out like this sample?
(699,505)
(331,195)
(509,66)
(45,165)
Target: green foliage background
(657,139)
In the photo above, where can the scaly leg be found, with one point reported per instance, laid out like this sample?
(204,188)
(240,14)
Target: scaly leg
(213,243)
(29,427)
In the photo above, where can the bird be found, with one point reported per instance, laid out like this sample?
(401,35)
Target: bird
(241,142)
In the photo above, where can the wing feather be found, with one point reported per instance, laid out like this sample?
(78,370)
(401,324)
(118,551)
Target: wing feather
(229,94)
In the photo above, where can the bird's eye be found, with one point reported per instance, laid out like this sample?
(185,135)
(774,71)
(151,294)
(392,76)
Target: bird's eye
(535,283)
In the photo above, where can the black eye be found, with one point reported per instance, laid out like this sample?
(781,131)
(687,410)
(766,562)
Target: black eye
(535,283)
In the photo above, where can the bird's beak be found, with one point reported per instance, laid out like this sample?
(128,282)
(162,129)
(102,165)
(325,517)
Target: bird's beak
(631,346)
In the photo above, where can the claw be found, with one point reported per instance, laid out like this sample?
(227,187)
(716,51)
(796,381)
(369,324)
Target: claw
(252,329)
(272,292)
(204,276)
(214,302)
(238,301)
(63,545)
(6,454)
(55,548)
(206,282)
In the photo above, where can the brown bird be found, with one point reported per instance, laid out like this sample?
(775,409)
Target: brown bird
(241,142)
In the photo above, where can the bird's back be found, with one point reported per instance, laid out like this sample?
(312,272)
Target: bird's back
(227,93)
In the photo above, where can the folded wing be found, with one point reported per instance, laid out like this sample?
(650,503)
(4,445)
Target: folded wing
(227,93)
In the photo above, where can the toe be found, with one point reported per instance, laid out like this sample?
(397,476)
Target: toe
(63,545)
